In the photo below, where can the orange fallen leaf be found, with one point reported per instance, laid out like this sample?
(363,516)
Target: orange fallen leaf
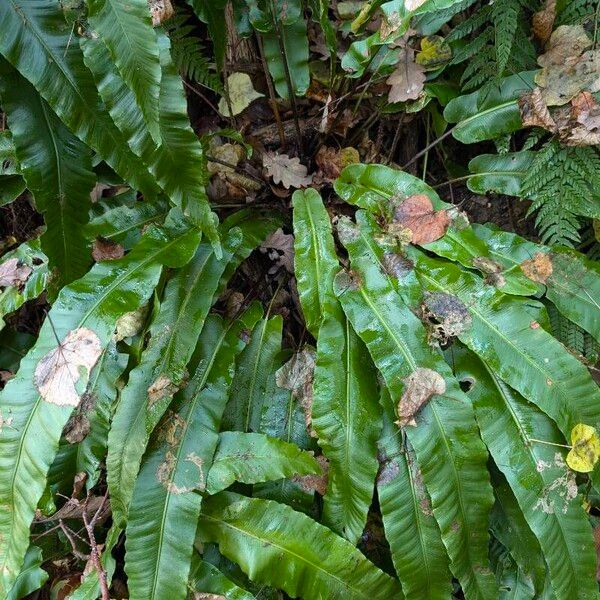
(417,214)
(539,268)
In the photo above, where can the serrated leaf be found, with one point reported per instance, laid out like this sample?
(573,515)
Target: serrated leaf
(255,457)
(96,301)
(166,502)
(310,560)
(537,474)
(127,31)
(397,342)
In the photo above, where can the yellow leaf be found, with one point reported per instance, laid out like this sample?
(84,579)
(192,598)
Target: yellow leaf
(586,448)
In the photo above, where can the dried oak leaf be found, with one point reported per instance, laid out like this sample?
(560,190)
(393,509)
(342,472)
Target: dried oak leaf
(407,80)
(160,11)
(285,170)
(104,249)
(543,21)
(13,274)
(534,112)
(539,268)
(416,213)
(58,372)
(279,247)
(419,387)
(583,125)
(566,44)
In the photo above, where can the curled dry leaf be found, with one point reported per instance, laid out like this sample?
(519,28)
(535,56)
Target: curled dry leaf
(279,247)
(539,268)
(583,125)
(104,249)
(543,21)
(407,80)
(13,274)
(285,170)
(297,376)
(534,112)
(59,371)
(416,213)
(419,387)
(241,94)
(160,11)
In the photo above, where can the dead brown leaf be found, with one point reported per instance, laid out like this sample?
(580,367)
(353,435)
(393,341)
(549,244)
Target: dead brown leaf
(279,247)
(543,21)
(58,372)
(539,268)
(332,162)
(566,44)
(407,80)
(285,170)
(419,387)
(534,112)
(446,314)
(315,483)
(161,388)
(104,249)
(583,125)
(160,10)
(416,213)
(14,274)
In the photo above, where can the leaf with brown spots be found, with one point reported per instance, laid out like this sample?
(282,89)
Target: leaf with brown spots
(539,268)
(104,249)
(57,373)
(566,44)
(161,388)
(12,273)
(419,387)
(416,213)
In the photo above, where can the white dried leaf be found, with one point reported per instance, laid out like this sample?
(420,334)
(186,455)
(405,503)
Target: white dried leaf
(287,171)
(13,274)
(241,94)
(279,247)
(57,373)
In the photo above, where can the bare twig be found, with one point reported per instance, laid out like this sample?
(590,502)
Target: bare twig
(428,148)
(96,554)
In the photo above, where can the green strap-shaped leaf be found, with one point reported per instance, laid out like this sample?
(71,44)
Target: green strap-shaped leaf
(376,187)
(454,471)
(255,457)
(252,376)
(538,475)
(92,303)
(12,183)
(499,173)
(40,45)
(513,582)
(188,297)
(31,578)
(278,546)
(127,31)
(573,286)
(506,336)
(213,14)
(58,170)
(12,297)
(315,260)
(478,118)
(418,552)
(95,412)
(207,579)
(166,502)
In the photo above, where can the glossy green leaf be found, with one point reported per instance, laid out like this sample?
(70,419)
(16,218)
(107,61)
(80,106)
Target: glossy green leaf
(58,170)
(207,579)
(487,114)
(315,260)
(174,333)
(419,555)
(499,173)
(278,546)
(507,337)
(255,457)
(40,45)
(376,188)
(13,297)
(538,475)
(94,302)
(454,474)
(12,183)
(127,31)
(166,502)
(31,578)
(248,390)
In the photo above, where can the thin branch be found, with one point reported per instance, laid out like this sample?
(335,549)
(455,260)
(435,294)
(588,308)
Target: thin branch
(428,148)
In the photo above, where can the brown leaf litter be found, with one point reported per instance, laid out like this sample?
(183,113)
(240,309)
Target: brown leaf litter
(419,387)
(417,214)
